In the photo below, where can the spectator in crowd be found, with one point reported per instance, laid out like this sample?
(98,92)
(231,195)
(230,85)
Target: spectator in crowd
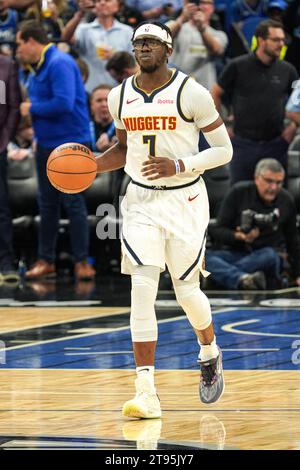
(51,15)
(275,11)
(239,11)
(160,10)
(103,133)
(292,27)
(10,97)
(257,229)
(61,10)
(121,66)
(59,111)
(8,28)
(18,4)
(197,44)
(241,20)
(99,40)
(258,85)
(22,144)
(293,105)
(84,70)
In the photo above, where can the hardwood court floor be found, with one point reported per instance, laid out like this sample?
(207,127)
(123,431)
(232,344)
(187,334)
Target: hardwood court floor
(51,397)
(259,409)
(17,319)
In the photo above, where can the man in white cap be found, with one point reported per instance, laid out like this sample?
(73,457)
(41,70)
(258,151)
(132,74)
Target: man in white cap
(158,114)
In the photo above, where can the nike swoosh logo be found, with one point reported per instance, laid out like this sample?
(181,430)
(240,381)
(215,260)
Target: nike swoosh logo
(192,198)
(131,101)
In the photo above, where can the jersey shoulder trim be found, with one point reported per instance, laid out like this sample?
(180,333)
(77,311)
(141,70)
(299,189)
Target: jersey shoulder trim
(121,99)
(178,102)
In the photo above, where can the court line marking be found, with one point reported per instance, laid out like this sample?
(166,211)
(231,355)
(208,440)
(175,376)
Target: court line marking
(84,335)
(96,353)
(117,410)
(111,394)
(123,328)
(99,353)
(263,308)
(65,321)
(251,349)
(214,312)
(276,291)
(132,371)
(87,330)
(230,328)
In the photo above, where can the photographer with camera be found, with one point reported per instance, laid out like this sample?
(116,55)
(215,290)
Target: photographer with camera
(256,227)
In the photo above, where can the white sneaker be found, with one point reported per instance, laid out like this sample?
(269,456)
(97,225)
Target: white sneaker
(145,404)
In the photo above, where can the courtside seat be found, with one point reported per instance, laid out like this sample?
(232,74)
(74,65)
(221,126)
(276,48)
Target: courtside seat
(100,192)
(23,188)
(99,199)
(22,185)
(217,183)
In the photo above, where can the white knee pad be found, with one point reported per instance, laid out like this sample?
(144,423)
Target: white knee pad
(144,285)
(193,301)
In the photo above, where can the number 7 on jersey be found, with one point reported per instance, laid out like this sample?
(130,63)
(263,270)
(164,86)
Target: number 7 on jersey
(150,140)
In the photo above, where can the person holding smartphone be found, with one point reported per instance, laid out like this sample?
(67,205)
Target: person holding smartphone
(197,44)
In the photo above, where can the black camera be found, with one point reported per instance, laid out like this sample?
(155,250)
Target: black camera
(251,219)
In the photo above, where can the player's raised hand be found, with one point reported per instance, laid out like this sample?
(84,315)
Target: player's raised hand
(158,167)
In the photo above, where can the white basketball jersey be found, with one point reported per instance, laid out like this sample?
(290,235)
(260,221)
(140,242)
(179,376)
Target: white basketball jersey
(164,123)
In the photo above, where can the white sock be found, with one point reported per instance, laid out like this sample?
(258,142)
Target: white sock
(208,351)
(148,372)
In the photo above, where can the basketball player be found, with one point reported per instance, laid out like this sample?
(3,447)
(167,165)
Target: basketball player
(158,114)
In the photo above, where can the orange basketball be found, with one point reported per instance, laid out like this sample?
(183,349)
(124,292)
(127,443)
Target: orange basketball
(71,168)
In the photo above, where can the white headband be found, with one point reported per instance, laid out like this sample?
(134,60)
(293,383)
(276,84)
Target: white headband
(153,30)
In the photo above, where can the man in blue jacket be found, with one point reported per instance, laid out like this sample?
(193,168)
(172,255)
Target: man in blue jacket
(59,111)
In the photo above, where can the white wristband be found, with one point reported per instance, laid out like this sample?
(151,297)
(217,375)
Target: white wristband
(177,167)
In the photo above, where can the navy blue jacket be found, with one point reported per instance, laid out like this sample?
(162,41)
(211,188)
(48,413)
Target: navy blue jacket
(59,104)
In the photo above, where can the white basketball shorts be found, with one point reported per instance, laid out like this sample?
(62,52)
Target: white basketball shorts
(165,227)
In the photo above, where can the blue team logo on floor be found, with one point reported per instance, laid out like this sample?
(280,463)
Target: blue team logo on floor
(249,338)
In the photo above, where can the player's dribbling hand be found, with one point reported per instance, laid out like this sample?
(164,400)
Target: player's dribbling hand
(158,167)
